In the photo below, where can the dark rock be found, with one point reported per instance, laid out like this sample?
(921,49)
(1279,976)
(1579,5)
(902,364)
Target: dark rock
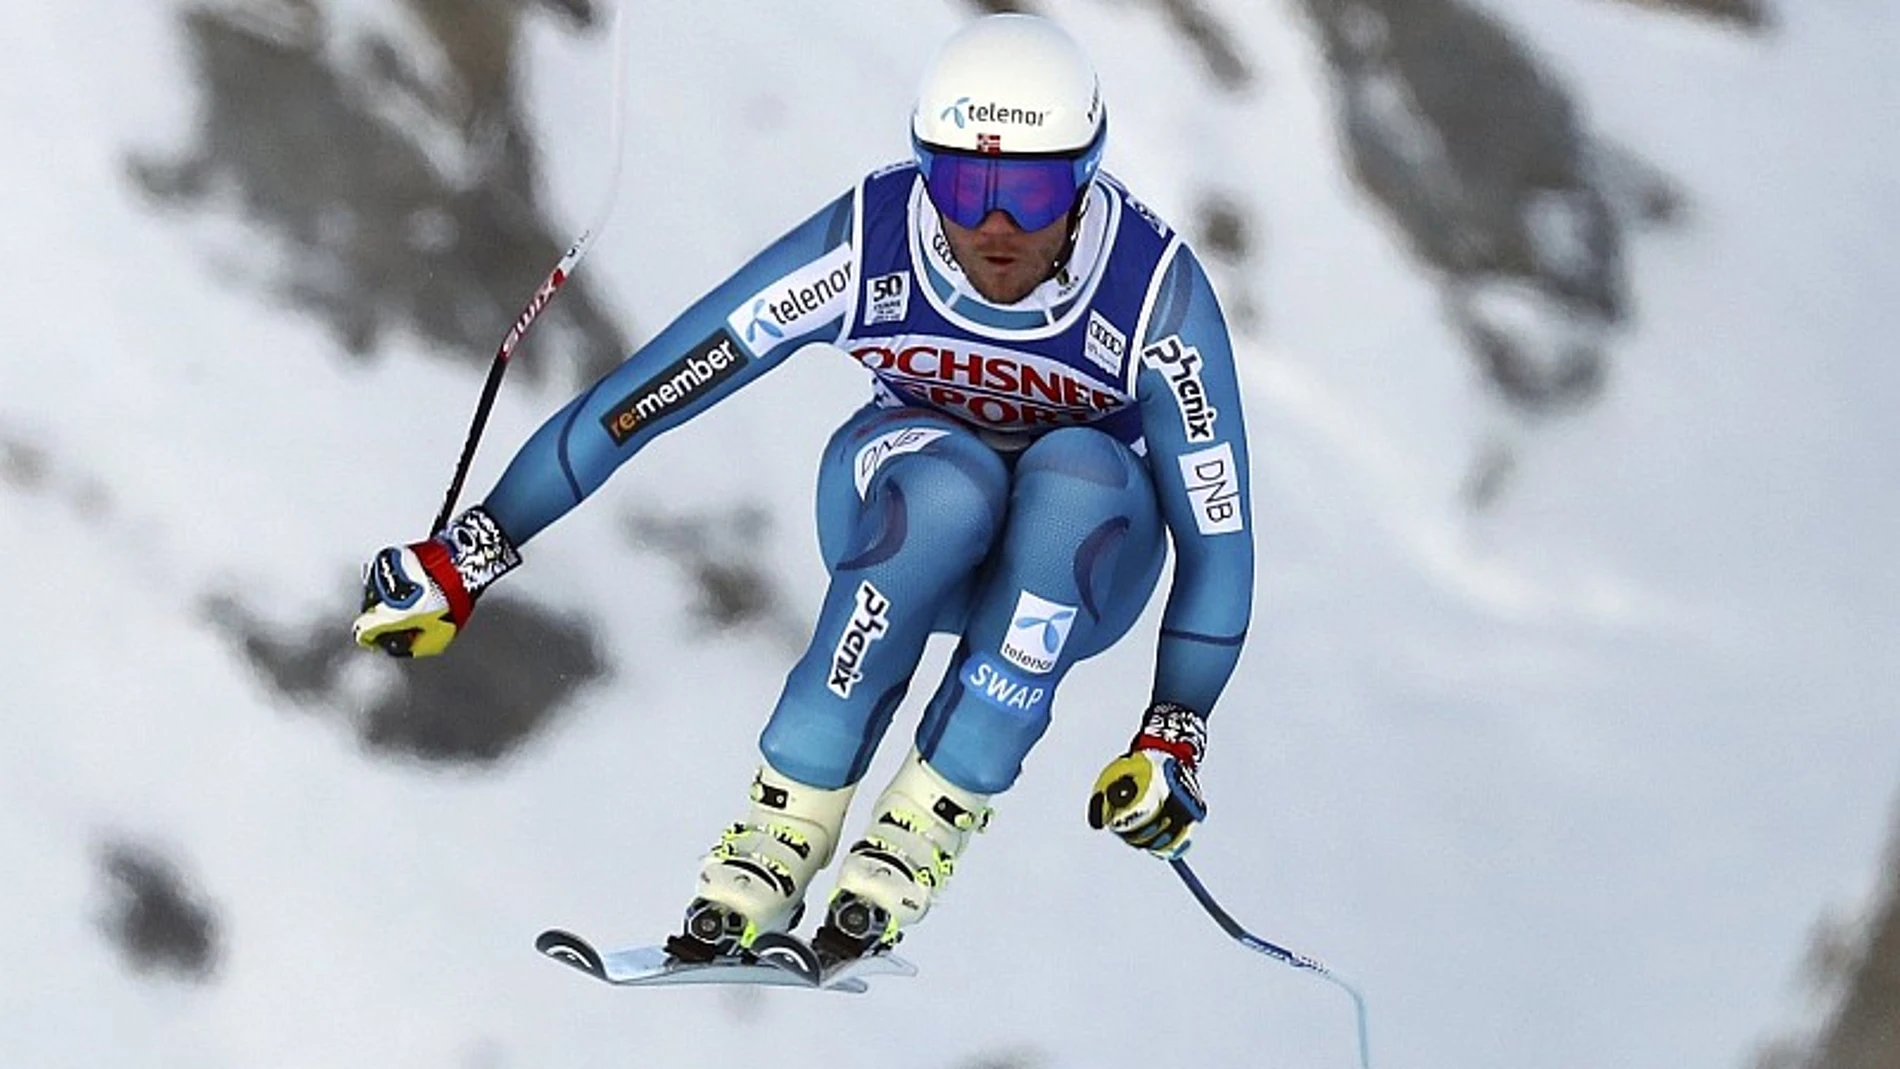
(158,923)
(503,683)
(328,156)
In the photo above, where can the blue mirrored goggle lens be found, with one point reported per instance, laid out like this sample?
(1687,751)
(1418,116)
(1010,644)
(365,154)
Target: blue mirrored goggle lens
(966,188)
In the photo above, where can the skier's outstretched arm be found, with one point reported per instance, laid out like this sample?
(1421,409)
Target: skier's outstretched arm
(1197,455)
(796,291)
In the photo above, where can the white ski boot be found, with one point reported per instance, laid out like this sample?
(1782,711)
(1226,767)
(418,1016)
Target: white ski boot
(754,879)
(890,877)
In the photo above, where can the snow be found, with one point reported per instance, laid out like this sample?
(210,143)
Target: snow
(1565,782)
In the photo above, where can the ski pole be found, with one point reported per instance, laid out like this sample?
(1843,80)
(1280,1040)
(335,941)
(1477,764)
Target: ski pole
(1278,953)
(545,292)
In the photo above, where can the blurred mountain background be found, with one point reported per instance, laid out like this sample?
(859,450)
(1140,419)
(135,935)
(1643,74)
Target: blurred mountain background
(1471,302)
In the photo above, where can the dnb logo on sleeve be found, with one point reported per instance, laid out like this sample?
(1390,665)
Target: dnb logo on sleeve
(1213,484)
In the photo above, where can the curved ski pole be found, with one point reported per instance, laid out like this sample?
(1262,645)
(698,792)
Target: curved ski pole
(1278,953)
(545,292)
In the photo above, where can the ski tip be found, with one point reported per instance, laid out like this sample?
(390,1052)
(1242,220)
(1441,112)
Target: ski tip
(571,949)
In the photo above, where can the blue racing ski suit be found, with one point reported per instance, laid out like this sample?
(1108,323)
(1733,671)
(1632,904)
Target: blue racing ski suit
(1015,479)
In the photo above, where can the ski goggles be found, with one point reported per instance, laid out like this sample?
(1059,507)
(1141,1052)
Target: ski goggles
(1036,190)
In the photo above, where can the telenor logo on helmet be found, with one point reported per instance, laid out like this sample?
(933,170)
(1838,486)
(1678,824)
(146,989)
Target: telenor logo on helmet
(963,112)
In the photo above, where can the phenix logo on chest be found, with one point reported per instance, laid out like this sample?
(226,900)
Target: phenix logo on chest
(996,388)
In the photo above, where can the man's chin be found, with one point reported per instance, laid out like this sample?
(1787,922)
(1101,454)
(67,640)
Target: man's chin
(1006,293)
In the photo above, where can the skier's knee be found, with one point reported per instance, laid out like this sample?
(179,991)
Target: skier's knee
(948,500)
(1080,501)
(1082,454)
(977,773)
(820,761)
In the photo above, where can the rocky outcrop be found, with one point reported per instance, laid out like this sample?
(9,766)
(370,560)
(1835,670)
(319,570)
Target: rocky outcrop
(1484,162)
(401,201)
(159,923)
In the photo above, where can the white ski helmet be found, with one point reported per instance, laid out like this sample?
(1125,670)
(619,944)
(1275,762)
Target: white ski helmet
(1019,79)
(1009,87)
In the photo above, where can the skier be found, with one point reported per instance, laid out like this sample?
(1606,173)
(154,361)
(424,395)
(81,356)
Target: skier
(1054,402)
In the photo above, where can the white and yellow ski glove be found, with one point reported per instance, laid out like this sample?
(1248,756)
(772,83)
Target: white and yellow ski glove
(1150,796)
(416,597)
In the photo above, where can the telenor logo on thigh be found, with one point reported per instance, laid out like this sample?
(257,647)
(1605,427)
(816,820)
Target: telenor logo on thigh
(1038,630)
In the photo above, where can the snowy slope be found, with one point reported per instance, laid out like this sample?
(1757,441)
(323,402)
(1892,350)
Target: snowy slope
(1562,783)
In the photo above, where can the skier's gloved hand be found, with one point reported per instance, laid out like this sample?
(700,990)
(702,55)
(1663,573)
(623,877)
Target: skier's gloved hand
(416,597)
(1150,796)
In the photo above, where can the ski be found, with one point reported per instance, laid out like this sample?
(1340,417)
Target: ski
(777,960)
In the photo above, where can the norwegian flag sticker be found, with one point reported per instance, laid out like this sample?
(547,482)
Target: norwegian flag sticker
(989,142)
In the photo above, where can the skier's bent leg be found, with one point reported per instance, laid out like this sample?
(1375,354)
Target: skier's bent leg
(909,504)
(1078,560)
